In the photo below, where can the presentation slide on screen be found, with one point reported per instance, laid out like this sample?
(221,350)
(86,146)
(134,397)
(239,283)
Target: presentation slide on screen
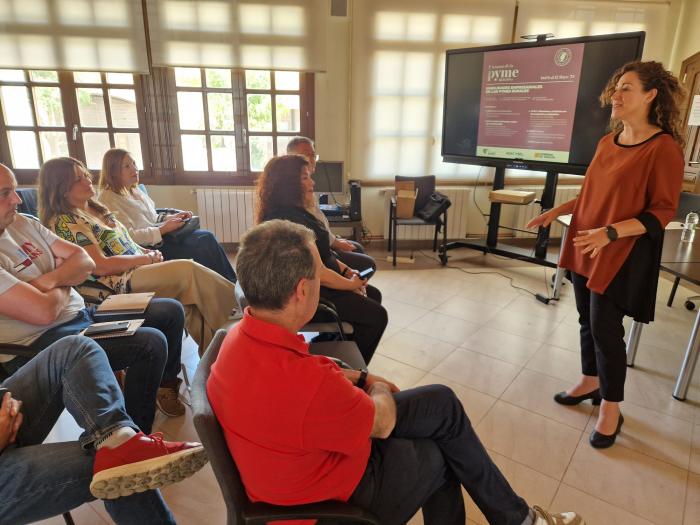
(528,102)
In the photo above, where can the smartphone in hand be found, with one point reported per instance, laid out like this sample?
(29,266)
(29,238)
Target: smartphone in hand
(366,274)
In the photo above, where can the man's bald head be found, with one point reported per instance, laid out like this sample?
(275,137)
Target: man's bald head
(9,200)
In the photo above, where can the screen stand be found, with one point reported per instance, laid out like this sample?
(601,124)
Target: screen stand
(490,244)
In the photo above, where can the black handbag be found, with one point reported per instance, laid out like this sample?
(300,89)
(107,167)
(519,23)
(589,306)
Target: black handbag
(180,234)
(436,206)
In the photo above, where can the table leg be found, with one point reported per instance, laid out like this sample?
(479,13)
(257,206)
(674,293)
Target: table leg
(559,275)
(633,342)
(689,361)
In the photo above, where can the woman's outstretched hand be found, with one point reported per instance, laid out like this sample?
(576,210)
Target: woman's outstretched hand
(591,241)
(544,220)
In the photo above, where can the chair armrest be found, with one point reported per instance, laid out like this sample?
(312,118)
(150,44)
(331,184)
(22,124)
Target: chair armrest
(18,350)
(260,513)
(167,210)
(328,308)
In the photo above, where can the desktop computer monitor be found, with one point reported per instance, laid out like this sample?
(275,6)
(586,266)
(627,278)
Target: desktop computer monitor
(329,177)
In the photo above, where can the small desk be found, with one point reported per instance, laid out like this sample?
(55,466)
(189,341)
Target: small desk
(682,260)
(355,225)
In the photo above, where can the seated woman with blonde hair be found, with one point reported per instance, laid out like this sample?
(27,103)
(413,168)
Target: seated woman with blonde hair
(120,192)
(67,206)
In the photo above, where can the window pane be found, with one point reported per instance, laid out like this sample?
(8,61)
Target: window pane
(287,80)
(288,114)
(220,111)
(43,76)
(218,78)
(257,80)
(15,105)
(131,142)
(282,141)
(223,152)
(190,109)
(49,110)
(91,107)
(12,75)
(194,153)
(260,152)
(23,149)
(122,103)
(259,112)
(96,145)
(120,78)
(86,77)
(53,144)
(188,77)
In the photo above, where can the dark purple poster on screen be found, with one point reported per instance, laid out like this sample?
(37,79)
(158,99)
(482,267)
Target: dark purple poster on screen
(528,102)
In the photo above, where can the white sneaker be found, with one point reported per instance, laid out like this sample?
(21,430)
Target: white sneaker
(542,517)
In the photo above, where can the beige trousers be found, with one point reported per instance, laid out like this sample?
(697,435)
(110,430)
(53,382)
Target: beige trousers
(207,297)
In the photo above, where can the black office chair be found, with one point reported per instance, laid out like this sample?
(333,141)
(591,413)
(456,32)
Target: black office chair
(24,351)
(688,202)
(240,510)
(426,187)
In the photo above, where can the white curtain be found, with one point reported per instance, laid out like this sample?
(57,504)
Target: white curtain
(398,69)
(92,35)
(572,18)
(251,34)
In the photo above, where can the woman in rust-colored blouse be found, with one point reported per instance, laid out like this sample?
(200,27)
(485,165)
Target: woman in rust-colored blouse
(613,249)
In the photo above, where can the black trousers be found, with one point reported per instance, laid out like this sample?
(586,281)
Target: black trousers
(357,259)
(603,348)
(431,453)
(366,314)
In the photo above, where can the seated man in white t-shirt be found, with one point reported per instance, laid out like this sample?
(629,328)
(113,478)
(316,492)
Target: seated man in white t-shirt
(38,306)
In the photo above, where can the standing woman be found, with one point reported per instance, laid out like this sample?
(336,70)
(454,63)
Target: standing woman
(613,250)
(120,192)
(285,189)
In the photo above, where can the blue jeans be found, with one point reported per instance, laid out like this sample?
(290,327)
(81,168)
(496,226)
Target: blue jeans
(432,450)
(152,354)
(38,480)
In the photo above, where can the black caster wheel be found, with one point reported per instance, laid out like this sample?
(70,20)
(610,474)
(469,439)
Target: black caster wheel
(443,258)
(689,305)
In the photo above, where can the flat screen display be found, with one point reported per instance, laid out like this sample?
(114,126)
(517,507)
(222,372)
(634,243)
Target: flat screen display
(328,177)
(532,105)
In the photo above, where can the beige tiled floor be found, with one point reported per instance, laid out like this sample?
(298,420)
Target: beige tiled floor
(505,355)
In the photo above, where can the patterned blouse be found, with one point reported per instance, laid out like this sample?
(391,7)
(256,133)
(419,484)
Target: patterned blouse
(113,239)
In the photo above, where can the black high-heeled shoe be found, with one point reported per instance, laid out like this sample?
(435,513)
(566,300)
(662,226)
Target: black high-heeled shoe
(599,440)
(565,399)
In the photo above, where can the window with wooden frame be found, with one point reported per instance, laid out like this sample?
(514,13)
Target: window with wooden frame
(46,114)
(231,122)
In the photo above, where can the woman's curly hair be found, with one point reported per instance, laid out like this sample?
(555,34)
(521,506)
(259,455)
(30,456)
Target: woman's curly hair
(279,185)
(664,111)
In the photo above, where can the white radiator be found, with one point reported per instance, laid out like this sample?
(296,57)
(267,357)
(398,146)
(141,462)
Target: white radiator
(457,217)
(528,212)
(228,213)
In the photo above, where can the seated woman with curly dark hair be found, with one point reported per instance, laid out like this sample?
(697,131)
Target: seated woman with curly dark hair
(68,207)
(284,190)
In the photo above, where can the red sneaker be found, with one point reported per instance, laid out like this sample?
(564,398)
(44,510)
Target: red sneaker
(143,463)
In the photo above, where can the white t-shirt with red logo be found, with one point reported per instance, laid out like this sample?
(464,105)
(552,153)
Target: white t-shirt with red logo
(25,255)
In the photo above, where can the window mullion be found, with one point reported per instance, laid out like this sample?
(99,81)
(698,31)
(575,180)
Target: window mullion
(108,109)
(207,128)
(240,121)
(71,115)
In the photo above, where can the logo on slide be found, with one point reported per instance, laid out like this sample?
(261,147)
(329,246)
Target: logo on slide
(563,56)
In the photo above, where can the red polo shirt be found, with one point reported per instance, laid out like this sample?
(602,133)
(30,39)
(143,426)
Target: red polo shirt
(298,430)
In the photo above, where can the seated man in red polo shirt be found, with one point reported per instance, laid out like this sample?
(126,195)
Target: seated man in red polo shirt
(303,430)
